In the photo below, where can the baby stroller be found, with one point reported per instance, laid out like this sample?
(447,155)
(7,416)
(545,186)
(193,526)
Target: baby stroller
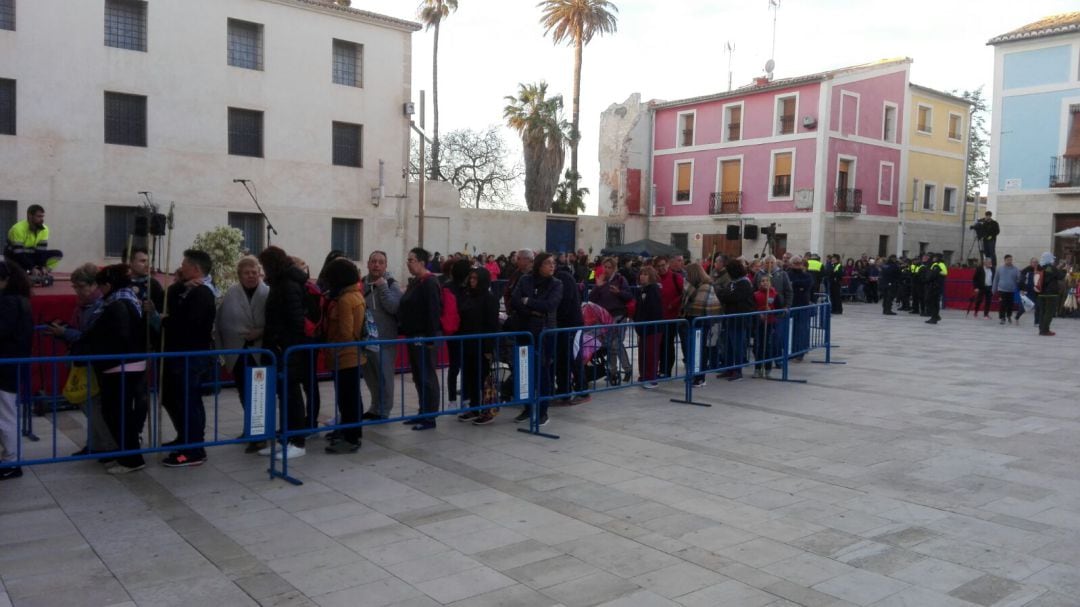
(590,349)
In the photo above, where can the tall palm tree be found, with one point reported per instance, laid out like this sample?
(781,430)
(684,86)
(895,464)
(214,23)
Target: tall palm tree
(576,22)
(432,13)
(536,117)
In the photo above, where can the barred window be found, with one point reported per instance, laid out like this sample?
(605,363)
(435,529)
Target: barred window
(348,63)
(125,24)
(125,119)
(7,15)
(9,215)
(7,106)
(119,223)
(347,144)
(346,235)
(245,44)
(245,132)
(251,224)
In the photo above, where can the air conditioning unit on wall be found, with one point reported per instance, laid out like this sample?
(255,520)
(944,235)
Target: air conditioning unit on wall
(804,199)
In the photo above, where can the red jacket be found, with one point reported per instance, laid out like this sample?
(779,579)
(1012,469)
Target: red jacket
(671,290)
(763,303)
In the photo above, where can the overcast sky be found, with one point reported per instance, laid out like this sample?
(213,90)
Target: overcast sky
(671,49)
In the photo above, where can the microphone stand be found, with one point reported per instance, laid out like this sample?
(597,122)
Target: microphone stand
(269,226)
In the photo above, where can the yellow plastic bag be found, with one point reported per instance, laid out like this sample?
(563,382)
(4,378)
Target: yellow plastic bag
(78,388)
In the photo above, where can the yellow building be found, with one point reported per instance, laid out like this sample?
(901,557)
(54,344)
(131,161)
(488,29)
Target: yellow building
(936,136)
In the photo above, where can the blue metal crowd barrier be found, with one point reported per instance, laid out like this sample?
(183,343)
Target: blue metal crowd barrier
(504,359)
(129,376)
(573,360)
(498,370)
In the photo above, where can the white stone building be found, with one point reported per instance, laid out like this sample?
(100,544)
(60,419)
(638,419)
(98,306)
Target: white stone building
(109,98)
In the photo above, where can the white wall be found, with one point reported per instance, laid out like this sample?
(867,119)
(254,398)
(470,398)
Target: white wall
(58,158)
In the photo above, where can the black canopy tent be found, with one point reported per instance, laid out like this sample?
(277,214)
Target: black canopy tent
(644,248)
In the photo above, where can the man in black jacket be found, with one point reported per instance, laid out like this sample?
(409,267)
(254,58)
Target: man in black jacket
(188,326)
(419,316)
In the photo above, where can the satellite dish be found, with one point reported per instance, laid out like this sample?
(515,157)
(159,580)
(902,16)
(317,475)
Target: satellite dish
(769,65)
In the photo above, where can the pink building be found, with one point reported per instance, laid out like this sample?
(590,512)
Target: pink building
(820,156)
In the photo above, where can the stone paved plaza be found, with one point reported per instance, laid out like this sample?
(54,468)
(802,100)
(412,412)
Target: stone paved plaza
(937,467)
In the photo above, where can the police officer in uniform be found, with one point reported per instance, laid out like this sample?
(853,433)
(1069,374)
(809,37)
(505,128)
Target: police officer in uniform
(888,281)
(813,266)
(903,286)
(918,286)
(934,286)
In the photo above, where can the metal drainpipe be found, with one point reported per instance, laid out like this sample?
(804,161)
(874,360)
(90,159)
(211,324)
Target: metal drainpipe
(652,186)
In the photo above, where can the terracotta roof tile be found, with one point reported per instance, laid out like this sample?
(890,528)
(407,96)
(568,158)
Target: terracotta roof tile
(1054,25)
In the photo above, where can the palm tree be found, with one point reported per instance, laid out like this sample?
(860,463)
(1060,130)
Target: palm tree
(432,12)
(536,117)
(577,21)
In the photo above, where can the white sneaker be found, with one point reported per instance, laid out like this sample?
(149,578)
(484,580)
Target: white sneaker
(293,450)
(265,451)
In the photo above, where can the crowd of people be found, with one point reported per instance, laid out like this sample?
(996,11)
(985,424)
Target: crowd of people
(123,311)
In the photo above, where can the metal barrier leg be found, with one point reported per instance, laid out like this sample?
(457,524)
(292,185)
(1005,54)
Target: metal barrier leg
(828,339)
(694,348)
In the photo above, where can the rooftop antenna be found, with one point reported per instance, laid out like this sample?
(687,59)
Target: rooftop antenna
(729,48)
(774,5)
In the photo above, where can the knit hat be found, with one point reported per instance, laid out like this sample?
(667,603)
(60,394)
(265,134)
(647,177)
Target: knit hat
(1046,259)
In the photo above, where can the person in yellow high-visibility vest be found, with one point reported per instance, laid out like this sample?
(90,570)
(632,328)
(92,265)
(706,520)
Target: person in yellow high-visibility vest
(935,286)
(28,245)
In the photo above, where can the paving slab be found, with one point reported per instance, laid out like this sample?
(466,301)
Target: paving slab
(919,473)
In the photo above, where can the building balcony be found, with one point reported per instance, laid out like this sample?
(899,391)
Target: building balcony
(848,202)
(725,203)
(1065,174)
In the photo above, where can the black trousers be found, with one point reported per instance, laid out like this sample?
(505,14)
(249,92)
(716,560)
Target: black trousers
(667,352)
(124,413)
(349,402)
(1005,306)
(475,369)
(932,304)
(983,298)
(887,293)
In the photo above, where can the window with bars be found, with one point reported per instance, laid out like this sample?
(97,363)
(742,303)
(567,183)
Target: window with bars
(125,24)
(9,216)
(251,224)
(614,236)
(245,44)
(346,235)
(125,119)
(7,15)
(245,132)
(119,223)
(7,106)
(681,241)
(347,144)
(348,63)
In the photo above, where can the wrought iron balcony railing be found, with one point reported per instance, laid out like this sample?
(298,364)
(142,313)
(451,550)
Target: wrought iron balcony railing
(781,186)
(723,203)
(848,200)
(1065,172)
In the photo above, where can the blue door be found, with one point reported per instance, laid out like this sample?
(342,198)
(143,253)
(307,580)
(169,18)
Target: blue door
(560,235)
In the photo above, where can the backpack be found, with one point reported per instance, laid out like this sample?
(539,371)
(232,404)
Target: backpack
(449,318)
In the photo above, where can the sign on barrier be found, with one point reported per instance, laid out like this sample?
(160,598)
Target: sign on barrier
(260,392)
(523,375)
